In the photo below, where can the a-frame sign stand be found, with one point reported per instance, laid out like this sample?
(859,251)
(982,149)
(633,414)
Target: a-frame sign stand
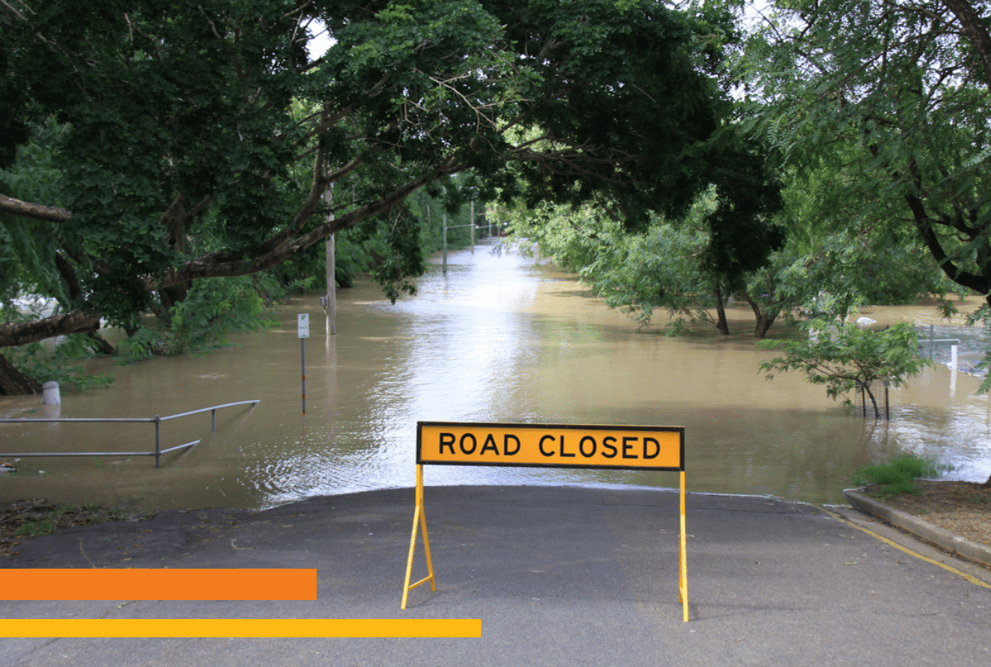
(418,518)
(650,448)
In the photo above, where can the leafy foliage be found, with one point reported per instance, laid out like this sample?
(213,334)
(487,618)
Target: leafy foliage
(63,362)
(846,357)
(199,137)
(982,317)
(886,103)
(661,268)
(213,310)
(822,272)
(28,248)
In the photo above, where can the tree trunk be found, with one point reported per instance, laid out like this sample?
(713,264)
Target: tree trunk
(764,318)
(868,392)
(15,383)
(99,344)
(173,295)
(34,211)
(764,322)
(721,323)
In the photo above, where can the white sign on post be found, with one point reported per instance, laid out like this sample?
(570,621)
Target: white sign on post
(303,320)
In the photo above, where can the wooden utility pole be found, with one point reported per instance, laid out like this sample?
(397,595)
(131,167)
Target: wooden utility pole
(329,302)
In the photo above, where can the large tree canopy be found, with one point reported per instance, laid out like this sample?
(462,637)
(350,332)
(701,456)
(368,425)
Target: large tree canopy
(888,102)
(186,126)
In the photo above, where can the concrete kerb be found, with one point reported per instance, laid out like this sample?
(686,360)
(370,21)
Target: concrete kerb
(973,551)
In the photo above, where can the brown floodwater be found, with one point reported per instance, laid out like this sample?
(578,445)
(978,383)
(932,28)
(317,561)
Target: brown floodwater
(500,338)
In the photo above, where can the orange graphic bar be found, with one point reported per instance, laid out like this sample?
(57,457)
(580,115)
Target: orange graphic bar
(241,627)
(158,584)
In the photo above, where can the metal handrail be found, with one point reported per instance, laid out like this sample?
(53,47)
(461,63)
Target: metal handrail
(932,339)
(156,420)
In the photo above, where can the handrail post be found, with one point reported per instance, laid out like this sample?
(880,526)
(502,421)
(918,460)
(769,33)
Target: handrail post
(157,420)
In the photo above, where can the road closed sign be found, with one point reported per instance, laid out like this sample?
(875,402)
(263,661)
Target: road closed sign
(546,446)
(551,445)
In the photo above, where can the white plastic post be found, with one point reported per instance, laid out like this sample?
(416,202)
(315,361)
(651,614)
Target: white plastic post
(50,393)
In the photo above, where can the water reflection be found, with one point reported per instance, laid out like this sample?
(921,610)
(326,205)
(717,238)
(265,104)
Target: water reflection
(498,338)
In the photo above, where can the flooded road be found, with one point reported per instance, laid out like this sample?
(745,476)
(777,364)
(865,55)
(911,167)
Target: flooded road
(499,338)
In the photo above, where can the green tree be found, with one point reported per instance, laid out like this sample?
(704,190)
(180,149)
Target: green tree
(847,357)
(887,103)
(822,269)
(184,140)
(662,268)
(688,263)
(891,98)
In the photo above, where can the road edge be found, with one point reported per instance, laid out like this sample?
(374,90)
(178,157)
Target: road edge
(956,545)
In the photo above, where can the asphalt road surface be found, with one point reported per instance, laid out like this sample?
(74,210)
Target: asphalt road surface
(557,576)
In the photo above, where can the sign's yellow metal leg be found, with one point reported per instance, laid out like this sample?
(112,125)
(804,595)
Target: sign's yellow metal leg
(683,559)
(409,562)
(418,518)
(426,548)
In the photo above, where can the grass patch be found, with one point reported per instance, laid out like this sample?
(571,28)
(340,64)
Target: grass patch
(46,525)
(898,475)
(31,518)
(46,520)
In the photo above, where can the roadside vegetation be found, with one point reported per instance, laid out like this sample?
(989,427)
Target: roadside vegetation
(25,519)
(846,358)
(898,475)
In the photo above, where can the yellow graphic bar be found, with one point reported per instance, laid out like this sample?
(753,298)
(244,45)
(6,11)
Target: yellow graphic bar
(552,445)
(240,627)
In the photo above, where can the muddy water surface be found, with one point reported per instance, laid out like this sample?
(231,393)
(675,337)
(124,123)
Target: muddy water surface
(499,338)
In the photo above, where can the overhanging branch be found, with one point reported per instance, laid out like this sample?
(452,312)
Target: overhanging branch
(22,333)
(23,209)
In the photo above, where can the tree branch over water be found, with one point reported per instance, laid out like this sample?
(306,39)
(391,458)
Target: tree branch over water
(198,142)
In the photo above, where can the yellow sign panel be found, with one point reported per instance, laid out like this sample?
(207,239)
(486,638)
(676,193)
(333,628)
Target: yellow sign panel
(559,445)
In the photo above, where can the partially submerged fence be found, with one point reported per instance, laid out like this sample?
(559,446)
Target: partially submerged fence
(156,420)
(924,342)
(871,387)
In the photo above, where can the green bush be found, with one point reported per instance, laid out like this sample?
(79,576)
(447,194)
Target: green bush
(65,363)
(213,310)
(897,475)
